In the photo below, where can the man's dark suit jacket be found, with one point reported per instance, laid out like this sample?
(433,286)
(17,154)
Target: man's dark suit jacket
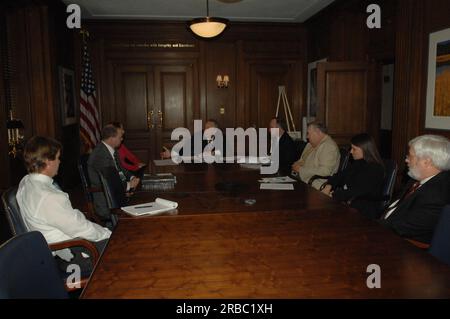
(417,215)
(287,154)
(98,159)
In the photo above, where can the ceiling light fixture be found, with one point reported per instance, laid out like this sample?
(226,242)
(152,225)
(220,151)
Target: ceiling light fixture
(208,27)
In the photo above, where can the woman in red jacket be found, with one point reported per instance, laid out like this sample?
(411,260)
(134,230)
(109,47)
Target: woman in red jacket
(128,160)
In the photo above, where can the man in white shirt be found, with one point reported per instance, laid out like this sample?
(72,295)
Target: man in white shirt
(45,207)
(105,154)
(415,214)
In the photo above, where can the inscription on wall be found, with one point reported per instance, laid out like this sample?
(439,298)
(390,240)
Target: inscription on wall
(154,45)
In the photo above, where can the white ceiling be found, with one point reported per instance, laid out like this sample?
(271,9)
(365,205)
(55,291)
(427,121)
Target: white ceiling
(245,10)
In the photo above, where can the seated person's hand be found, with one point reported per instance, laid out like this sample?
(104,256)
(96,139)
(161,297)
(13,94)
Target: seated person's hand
(134,182)
(327,190)
(165,154)
(140,165)
(296,167)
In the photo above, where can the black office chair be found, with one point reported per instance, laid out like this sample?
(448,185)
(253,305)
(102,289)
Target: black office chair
(390,175)
(12,210)
(113,187)
(440,244)
(343,163)
(88,190)
(299,147)
(28,269)
(18,227)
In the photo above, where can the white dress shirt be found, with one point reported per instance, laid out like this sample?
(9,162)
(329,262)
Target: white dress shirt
(47,209)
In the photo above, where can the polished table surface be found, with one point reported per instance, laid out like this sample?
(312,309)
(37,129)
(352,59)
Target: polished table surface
(320,249)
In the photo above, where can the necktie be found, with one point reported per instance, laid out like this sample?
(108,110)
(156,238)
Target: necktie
(408,193)
(119,167)
(412,189)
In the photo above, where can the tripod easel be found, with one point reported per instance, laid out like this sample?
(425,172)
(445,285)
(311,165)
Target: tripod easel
(287,112)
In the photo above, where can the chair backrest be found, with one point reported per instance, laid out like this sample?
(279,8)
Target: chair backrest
(12,210)
(112,187)
(390,174)
(345,158)
(28,269)
(84,176)
(299,147)
(440,244)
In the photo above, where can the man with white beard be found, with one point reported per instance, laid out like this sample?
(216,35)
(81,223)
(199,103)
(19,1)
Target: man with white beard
(416,212)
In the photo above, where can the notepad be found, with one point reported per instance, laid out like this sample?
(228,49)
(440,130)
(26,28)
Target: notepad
(158,206)
(277,186)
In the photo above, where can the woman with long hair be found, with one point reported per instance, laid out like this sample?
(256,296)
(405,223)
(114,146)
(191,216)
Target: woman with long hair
(360,184)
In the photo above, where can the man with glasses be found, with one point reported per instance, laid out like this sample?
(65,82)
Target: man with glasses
(416,212)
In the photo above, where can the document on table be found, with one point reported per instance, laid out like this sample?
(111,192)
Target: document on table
(281,179)
(158,206)
(164,162)
(277,186)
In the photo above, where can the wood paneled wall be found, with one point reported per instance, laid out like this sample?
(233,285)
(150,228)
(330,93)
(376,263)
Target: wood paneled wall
(339,33)
(242,52)
(41,44)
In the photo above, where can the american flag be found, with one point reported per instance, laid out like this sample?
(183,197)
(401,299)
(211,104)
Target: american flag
(89,119)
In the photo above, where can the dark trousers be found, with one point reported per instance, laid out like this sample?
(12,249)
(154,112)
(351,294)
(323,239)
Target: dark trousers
(85,264)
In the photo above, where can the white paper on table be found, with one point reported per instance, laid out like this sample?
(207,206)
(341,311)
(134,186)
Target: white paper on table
(280,179)
(164,162)
(277,186)
(158,206)
(253,160)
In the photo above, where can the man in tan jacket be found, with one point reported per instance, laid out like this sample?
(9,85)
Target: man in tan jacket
(320,157)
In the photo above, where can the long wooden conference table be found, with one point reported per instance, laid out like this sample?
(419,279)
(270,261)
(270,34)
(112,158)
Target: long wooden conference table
(288,244)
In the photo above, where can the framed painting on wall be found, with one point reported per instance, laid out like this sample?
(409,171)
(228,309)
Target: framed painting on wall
(312,90)
(438,89)
(67,96)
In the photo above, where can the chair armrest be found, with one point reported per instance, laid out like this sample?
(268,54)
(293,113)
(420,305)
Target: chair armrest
(78,242)
(323,186)
(418,243)
(314,177)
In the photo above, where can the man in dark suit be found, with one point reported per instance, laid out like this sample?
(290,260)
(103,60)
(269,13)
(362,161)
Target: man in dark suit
(415,214)
(209,124)
(105,155)
(286,146)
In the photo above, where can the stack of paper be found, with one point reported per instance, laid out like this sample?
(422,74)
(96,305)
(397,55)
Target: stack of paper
(277,186)
(158,206)
(164,162)
(281,179)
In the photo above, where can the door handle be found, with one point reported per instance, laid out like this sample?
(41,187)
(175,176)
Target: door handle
(160,115)
(149,120)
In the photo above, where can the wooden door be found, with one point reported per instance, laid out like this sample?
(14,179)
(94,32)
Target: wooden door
(134,96)
(264,81)
(345,99)
(151,101)
(173,101)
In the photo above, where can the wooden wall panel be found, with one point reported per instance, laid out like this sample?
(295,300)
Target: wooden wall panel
(221,60)
(235,53)
(343,98)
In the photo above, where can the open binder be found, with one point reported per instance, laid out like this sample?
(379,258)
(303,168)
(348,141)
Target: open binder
(158,206)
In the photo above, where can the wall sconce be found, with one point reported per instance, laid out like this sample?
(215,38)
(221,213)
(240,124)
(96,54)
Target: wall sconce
(15,134)
(222,82)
